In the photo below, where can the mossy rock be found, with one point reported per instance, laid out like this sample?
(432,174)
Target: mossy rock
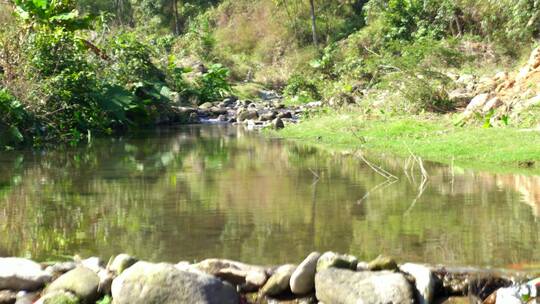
(382,262)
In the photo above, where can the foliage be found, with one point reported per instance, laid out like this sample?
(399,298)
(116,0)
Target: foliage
(80,87)
(408,19)
(52,14)
(14,117)
(199,38)
(302,88)
(131,60)
(105,300)
(494,19)
(213,84)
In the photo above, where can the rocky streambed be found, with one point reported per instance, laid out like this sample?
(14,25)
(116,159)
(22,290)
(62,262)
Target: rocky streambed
(268,111)
(320,278)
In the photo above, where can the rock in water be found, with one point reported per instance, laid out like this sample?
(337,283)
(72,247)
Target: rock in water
(81,281)
(303,278)
(279,281)
(382,263)
(333,260)
(268,116)
(147,283)
(278,124)
(21,274)
(425,281)
(348,287)
(122,262)
(247,115)
(234,272)
(206,106)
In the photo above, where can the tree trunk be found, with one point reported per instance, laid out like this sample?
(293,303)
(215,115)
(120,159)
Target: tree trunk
(313,23)
(176,18)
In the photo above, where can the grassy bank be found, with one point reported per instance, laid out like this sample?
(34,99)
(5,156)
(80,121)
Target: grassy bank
(433,138)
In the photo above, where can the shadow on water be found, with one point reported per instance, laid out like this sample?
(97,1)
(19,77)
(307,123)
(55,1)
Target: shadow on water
(195,192)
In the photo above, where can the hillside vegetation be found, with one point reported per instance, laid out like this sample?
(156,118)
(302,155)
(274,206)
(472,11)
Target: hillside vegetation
(71,69)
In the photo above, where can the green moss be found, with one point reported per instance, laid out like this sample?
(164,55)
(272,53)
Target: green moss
(62,298)
(432,138)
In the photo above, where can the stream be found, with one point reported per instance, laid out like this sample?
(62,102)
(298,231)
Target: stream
(194,192)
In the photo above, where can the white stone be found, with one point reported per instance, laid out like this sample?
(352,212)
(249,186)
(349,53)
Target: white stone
(493,103)
(425,281)
(303,278)
(93,263)
(121,262)
(21,274)
(477,103)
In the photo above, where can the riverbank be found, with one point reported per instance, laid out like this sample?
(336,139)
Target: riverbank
(328,278)
(432,137)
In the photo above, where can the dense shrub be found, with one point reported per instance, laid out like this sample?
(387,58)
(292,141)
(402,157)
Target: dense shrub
(213,84)
(131,59)
(300,85)
(494,19)
(14,119)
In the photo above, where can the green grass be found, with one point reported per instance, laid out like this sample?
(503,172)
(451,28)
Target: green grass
(247,90)
(433,138)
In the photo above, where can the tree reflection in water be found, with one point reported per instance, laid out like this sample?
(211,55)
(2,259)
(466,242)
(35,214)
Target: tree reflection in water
(210,191)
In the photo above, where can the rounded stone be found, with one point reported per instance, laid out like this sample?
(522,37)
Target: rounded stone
(303,278)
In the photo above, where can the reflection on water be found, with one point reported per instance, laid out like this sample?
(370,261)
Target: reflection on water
(196,192)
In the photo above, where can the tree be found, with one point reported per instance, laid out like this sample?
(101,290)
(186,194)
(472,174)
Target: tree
(313,22)
(177,29)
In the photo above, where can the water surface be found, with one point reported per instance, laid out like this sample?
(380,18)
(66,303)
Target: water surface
(194,192)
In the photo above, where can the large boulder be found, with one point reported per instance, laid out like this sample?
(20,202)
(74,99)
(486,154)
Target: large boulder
(278,283)
(22,274)
(147,283)
(303,278)
(81,281)
(348,287)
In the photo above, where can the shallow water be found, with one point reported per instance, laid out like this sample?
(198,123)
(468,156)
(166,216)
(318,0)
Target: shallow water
(194,192)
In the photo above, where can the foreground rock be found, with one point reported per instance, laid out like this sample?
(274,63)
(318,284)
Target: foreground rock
(349,287)
(334,260)
(303,278)
(57,297)
(147,283)
(7,297)
(517,294)
(22,274)
(382,263)
(81,281)
(424,281)
(234,272)
(279,281)
(122,262)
